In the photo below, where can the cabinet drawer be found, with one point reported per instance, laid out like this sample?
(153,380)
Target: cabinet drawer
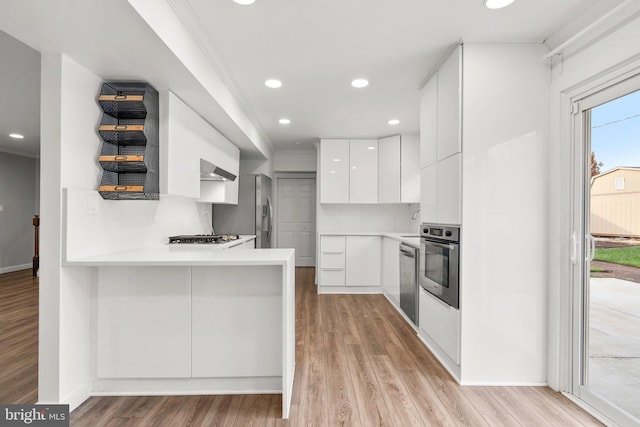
(331,260)
(442,323)
(331,277)
(332,244)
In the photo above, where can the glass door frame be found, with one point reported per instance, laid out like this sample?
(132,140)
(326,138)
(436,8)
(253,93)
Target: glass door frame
(581,242)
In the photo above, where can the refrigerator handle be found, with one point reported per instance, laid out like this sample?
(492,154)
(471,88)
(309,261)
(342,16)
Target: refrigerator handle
(270,213)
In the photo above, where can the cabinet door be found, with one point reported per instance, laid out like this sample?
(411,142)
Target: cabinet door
(334,171)
(410,169)
(236,321)
(391,269)
(428,194)
(448,191)
(442,323)
(363,261)
(429,122)
(449,97)
(144,322)
(363,181)
(389,169)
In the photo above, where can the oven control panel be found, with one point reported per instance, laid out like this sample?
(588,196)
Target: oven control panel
(438,231)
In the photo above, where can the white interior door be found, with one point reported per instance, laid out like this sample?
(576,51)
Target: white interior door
(296,217)
(606,332)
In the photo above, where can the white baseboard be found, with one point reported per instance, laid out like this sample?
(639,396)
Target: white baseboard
(15,268)
(399,310)
(74,399)
(186,386)
(350,290)
(78,396)
(446,362)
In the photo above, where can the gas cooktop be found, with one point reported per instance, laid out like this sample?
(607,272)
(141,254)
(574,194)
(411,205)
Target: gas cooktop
(204,238)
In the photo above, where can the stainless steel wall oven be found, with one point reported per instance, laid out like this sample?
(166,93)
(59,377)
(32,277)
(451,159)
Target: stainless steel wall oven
(440,262)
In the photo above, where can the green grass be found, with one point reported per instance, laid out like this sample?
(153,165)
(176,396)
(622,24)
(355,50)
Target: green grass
(597,269)
(625,256)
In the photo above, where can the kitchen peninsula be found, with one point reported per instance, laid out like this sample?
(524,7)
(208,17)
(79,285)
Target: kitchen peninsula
(194,319)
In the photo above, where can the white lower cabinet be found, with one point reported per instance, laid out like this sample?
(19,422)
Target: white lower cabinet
(189,322)
(144,322)
(441,323)
(332,261)
(349,261)
(391,269)
(363,261)
(235,312)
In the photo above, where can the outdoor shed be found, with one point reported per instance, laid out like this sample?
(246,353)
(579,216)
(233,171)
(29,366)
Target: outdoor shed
(615,203)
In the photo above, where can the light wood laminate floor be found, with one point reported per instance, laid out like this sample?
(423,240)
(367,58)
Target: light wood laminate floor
(18,337)
(358,364)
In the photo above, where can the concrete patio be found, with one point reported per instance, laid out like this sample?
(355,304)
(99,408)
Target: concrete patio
(614,347)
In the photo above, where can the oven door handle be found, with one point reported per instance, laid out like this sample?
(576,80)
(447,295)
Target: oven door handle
(449,246)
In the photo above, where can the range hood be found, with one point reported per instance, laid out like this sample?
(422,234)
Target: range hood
(211,172)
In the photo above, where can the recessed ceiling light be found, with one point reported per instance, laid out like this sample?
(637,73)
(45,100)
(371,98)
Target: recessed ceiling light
(273,83)
(393,122)
(244,2)
(497,4)
(371,148)
(336,160)
(16,136)
(284,121)
(360,83)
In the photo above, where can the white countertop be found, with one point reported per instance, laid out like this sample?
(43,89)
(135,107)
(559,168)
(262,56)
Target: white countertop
(190,255)
(409,238)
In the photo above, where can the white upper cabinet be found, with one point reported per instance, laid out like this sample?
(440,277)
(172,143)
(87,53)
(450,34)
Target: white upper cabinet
(429,122)
(334,171)
(389,169)
(410,169)
(428,211)
(370,170)
(448,190)
(449,105)
(185,138)
(363,161)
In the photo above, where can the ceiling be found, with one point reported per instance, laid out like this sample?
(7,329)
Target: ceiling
(315,47)
(20,100)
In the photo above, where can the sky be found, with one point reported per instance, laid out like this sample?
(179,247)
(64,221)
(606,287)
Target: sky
(615,132)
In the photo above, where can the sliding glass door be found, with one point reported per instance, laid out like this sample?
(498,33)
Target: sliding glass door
(606,252)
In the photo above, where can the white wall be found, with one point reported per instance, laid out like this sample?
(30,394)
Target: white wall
(69,177)
(367,218)
(294,161)
(18,201)
(594,61)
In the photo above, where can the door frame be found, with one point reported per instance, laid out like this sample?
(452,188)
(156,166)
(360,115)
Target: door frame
(575,297)
(289,175)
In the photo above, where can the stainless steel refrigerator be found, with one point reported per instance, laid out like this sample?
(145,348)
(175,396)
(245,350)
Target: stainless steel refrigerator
(252,215)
